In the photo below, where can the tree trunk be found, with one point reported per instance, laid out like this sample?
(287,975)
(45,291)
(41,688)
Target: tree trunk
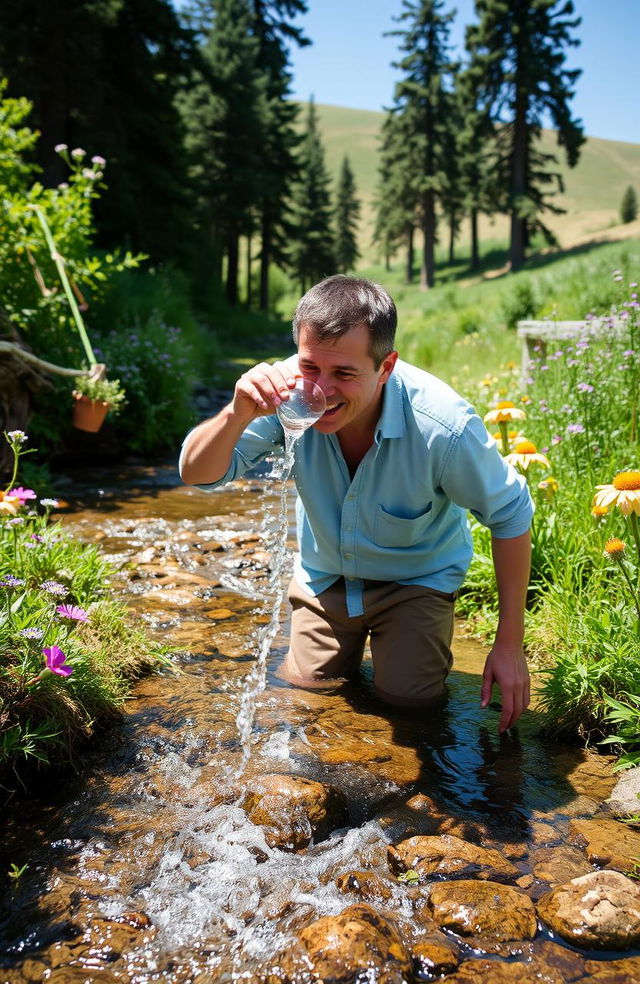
(517,244)
(475,257)
(452,237)
(232,266)
(387,260)
(427,272)
(265,256)
(410,255)
(249,271)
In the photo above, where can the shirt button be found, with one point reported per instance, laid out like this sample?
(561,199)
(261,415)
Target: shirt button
(350,497)
(348,556)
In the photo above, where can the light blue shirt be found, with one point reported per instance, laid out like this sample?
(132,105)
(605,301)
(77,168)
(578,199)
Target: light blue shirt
(403,516)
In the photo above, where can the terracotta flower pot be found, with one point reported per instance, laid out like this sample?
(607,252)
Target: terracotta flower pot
(88,415)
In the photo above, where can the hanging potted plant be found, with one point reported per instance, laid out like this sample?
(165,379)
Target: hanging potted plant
(93,398)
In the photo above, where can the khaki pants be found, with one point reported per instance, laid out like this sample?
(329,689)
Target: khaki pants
(410,629)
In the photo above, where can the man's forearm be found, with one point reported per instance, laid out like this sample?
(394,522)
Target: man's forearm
(209,447)
(512,562)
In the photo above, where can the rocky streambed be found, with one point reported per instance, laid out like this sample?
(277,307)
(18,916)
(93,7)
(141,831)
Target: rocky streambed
(359,844)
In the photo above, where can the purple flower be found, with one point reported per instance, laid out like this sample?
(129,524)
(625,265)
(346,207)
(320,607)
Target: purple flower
(556,439)
(73,612)
(32,633)
(575,429)
(56,661)
(585,388)
(22,494)
(54,588)
(37,537)
(16,521)
(11,581)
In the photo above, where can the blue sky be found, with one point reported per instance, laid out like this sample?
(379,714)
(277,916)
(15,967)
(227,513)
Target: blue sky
(349,62)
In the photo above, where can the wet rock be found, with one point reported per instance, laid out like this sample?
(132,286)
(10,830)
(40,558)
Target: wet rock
(434,956)
(607,843)
(624,971)
(359,944)
(569,963)
(294,810)
(625,798)
(449,856)
(558,865)
(367,885)
(479,908)
(484,971)
(601,909)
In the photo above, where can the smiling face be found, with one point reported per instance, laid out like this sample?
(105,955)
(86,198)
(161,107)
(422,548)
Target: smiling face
(344,369)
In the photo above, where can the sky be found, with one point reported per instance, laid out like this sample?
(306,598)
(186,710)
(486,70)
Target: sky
(349,62)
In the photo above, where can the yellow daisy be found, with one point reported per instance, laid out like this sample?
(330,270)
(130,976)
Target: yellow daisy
(504,410)
(524,454)
(9,503)
(614,548)
(599,511)
(623,492)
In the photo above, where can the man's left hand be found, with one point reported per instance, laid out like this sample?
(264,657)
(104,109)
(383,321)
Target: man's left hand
(507,667)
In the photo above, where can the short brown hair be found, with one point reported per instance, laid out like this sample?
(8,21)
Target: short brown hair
(339,303)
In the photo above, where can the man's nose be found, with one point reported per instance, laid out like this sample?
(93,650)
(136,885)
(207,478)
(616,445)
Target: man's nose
(326,384)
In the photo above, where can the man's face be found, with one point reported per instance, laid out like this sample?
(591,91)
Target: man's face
(343,368)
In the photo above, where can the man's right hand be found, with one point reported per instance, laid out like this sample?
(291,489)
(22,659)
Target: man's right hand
(262,389)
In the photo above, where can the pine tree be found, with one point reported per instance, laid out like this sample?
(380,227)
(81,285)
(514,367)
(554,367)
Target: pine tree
(396,199)
(311,251)
(275,32)
(424,99)
(629,205)
(347,214)
(225,112)
(518,50)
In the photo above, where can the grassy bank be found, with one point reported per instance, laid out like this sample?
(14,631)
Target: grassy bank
(68,654)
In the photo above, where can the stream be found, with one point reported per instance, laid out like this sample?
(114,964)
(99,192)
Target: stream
(145,867)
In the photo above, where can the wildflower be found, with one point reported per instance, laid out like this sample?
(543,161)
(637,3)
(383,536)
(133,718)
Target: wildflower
(504,410)
(72,612)
(56,661)
(614,548)
(98,161)
(548,486)
(623,492)
(16,521)
(32,633)
(8,503)
(60,148)
(599,512)
(17,437)
(11,581)
(524,454)
(37,537)
(54,588)
(585,388)
(88,173)
(78,153)
(556,439)
(49,503)
(22,494)
(575,429)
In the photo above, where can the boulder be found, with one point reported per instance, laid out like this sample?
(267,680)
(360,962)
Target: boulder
(449,857)
(625,798)
(607,843)
(367,885)
(624,971)
(483,908)
(294,810)
(558,865)
(434,956)
(599,910)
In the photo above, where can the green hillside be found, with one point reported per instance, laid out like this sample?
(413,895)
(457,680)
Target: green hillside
(592,195)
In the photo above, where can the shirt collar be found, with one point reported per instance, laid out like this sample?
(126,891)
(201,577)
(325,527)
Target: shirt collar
(391,422)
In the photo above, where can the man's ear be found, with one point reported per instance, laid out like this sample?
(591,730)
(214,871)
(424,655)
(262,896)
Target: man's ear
(388,363)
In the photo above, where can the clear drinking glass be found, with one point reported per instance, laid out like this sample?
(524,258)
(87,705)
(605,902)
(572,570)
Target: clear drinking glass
(305,405)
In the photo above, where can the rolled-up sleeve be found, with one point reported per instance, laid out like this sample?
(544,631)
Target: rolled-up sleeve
(476,477)
(261,438)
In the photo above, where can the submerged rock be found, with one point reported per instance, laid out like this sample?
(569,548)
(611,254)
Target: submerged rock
(484,908)
(434,956)
(607,843)
(558,865)
(485,971)
(294,810)
(601,909)
(367,885)
(450,857)
(358,945)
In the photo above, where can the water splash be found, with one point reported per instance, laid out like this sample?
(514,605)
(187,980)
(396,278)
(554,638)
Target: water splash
(277,527)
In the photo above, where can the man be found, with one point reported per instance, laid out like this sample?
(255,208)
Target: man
(384,480)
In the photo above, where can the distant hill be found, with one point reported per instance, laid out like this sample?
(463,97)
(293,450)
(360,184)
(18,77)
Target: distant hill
(593,189)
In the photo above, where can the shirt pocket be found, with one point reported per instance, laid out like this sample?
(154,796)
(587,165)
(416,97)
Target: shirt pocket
(396,531)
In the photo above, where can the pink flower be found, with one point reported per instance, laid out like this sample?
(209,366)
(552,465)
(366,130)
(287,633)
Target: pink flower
(73,612)
(22,494)
(56,661)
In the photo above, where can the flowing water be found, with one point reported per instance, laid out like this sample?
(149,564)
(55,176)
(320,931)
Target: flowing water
(144,866)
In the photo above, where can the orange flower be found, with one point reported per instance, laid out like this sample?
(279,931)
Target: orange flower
(504,410)
(524,454)
(623,492)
